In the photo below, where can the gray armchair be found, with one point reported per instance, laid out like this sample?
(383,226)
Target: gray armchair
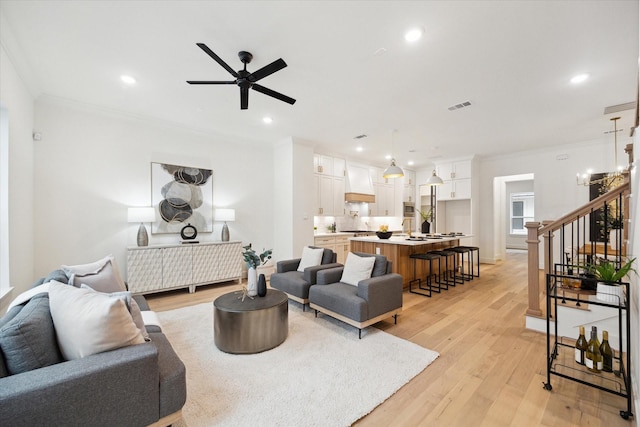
(360,306)
(296,284)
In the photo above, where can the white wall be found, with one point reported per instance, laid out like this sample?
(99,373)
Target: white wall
(91,165)
(16,98)
(556,192)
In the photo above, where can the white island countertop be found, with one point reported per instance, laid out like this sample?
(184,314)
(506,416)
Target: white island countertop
(416,240)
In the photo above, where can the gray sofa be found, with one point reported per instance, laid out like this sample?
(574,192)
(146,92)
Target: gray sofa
(138,385)
(360,306)
(295,283)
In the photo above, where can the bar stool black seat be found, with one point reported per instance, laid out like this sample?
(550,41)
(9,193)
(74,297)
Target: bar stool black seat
(450,277)
(475,264)
(462,251)
(429,288)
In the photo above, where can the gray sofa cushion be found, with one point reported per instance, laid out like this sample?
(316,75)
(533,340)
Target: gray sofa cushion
(379,267)
(340,298)
(292,283)
(28,340)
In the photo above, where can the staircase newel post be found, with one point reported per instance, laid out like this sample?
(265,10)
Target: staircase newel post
(533,266)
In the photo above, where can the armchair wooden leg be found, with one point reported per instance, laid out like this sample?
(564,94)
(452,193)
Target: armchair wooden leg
(316,313)
(395,319)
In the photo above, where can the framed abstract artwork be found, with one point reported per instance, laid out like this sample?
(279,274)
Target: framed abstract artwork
(181,195)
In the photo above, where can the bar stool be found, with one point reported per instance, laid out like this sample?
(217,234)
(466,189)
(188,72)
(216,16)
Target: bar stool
(475,249)
(462,250)
(425,257)
(446,253)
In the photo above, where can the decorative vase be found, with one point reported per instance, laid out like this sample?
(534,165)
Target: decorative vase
(252,282)
(262,285)
(426,226)
(610,293)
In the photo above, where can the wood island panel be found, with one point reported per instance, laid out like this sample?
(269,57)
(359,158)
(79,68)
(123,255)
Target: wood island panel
(399,255)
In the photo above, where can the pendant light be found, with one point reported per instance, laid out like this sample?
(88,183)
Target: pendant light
(392,171)
(434,179)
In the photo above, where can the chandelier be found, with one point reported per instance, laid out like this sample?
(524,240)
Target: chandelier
(609,178)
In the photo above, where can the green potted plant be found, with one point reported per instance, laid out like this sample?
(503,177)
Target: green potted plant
(609,277)
(253,260)
(426,220)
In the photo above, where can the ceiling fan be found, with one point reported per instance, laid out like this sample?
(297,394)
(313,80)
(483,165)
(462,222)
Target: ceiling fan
(245,79)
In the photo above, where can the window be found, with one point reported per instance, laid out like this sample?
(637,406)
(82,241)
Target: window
(521,212)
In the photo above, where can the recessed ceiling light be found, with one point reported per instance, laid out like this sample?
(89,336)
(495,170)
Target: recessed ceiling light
(388,157)
(359,148)
(413,35)
(267,120)
(580,78)
(410,162)
(128,80)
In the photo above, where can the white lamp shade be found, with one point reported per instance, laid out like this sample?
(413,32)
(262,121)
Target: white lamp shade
(434,179)
(393,171)
(142,214)
(225,214)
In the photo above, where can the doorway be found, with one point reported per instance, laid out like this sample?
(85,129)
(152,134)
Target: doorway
(513,206)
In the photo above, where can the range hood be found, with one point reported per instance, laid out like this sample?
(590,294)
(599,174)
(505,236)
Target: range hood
(359,186)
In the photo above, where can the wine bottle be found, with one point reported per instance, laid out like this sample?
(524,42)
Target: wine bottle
(607,353)
(581,347)
(593,357)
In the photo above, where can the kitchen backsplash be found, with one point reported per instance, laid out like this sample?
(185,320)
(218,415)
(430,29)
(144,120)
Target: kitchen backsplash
(356,222)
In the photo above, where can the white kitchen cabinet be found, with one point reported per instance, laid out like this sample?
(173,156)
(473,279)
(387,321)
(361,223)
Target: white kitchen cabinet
(327,165)
(329,195)
(456,178)
(323,164)
(163,267)
(455,189)
(454,170)
(385,200)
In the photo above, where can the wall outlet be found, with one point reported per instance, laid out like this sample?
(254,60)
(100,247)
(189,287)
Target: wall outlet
(377,251)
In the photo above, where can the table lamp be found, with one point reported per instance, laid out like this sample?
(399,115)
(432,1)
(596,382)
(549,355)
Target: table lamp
(142,215)
(225,215)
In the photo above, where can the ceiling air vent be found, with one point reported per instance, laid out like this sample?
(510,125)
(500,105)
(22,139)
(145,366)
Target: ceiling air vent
(459,106)
(360,136)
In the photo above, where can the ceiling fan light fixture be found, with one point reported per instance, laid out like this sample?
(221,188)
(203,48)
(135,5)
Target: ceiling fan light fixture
(434,179)
(393,171)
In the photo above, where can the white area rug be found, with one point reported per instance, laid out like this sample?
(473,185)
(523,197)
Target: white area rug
(322,375)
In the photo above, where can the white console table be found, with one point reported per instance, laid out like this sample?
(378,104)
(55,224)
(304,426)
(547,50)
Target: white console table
(159,268)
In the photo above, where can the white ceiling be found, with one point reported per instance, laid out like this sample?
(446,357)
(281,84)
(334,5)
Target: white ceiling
(511,59)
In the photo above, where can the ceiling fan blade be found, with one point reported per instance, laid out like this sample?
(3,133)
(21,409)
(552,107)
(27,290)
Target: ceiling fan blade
(244,98)
(217,59)
(210,82)
(273,93)
(267,70)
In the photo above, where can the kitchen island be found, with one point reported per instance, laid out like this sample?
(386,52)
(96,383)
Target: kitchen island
(399,248)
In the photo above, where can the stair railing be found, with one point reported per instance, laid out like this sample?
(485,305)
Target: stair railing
(583,236)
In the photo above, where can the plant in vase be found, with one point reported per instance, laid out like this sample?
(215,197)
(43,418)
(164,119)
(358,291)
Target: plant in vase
(427,218)
(253,260)
(609,278)
(383,232)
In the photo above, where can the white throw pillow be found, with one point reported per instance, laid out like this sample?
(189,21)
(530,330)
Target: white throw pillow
(102,275)
(89,322)
(357,268)
(132,306)
(310,258)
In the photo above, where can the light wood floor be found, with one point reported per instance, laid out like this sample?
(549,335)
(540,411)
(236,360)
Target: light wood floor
(490,370)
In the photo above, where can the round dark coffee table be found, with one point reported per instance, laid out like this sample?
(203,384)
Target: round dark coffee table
(252,325)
